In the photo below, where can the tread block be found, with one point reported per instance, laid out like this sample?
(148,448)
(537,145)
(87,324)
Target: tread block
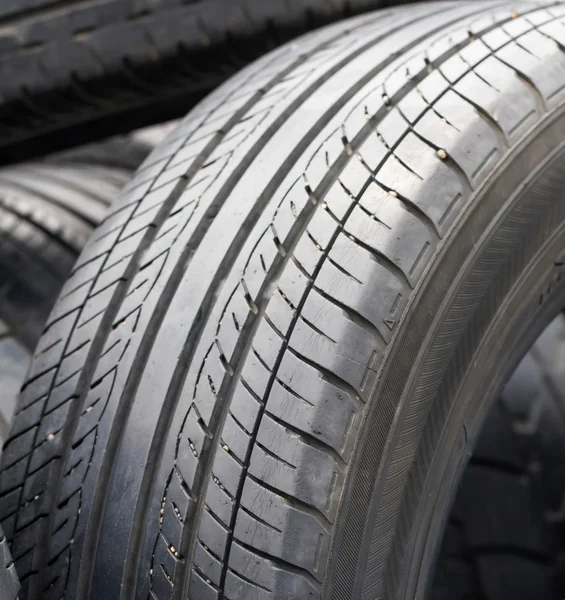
(176,506)
(190,446)
(263,576)
(284,461)
(213,535)
(226,471)
(245,407)
(454,118)
(207,563)
(200,588)
(161,576)
(270,525)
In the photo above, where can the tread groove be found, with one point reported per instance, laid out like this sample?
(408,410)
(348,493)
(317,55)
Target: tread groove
(195,391)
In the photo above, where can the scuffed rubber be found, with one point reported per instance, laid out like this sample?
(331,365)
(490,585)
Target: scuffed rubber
(196,402)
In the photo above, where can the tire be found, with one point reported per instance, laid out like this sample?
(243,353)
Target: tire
(123,152)
(269,366)
(9,583)
(505,535)
(82,71)
(47,213)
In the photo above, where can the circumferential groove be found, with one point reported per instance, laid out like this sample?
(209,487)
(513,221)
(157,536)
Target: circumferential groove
(257,307)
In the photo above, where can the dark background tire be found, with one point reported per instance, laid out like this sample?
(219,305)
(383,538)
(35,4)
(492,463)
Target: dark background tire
(47,213)
(268,368)
(75,72)
(505,536)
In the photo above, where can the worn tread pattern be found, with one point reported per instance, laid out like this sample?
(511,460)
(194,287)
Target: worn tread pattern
(9,583)
(39,242)
(47,213)
(42,231)
(99,67)
(188,389)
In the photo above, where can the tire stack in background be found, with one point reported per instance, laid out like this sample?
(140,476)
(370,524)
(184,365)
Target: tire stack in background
(47,214)
(48,211)
(74,74)
(224,360)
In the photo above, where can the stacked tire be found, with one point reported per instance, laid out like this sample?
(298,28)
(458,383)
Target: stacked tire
(268,370)
(77,72)
(48,211)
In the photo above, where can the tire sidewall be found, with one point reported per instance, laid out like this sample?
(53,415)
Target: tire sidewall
(415,460)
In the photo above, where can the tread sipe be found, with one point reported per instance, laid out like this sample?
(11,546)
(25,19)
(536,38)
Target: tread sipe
(239,392)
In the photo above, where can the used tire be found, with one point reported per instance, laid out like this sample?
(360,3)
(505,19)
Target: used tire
(76,72)
(46,218)
(9,583)
(47,213)
(505,535)
(269,366)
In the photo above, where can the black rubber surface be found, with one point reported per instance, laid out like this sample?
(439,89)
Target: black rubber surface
(74,71)
(505,537)
(9,583)
(47,213)
(243,390)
